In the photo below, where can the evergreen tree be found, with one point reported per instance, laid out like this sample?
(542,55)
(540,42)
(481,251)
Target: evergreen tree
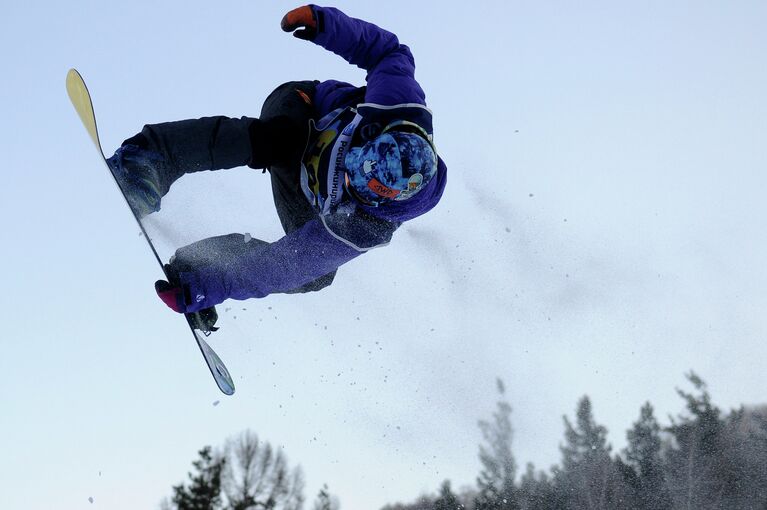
(700,474)
(754,455)
(424,502)
(536,491)
(447,500)
(325,501)
(643,454)
(204,490)
(496,480)
(588,479)
(745,441)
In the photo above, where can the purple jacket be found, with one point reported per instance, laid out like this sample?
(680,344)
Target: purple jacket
(313,250)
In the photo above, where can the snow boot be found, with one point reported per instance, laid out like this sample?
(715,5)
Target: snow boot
(138,172)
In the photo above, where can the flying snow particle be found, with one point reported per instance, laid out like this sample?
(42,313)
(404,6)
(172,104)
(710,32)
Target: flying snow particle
(90,500)
(216,403)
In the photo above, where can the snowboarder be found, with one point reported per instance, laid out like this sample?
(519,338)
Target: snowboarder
(348,166)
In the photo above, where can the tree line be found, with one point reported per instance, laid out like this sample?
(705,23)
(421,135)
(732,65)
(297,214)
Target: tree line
(245,474)
(704,459)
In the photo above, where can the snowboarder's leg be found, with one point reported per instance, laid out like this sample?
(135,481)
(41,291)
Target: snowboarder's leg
(148,163)
(292,101)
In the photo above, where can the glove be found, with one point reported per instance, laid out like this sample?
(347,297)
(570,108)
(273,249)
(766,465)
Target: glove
(171,295)
(304,18)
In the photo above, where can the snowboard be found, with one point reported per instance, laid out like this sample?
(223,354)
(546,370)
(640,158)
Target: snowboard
(81,100)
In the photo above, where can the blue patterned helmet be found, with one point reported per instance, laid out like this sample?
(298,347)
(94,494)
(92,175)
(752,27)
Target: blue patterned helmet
(394,166)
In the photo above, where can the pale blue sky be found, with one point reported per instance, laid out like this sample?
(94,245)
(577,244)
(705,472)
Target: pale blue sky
(602,233)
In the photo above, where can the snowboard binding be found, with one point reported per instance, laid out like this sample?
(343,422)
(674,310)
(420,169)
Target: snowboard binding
(204,320)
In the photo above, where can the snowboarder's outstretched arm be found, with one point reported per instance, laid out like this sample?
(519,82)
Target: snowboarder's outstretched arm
(390,65)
